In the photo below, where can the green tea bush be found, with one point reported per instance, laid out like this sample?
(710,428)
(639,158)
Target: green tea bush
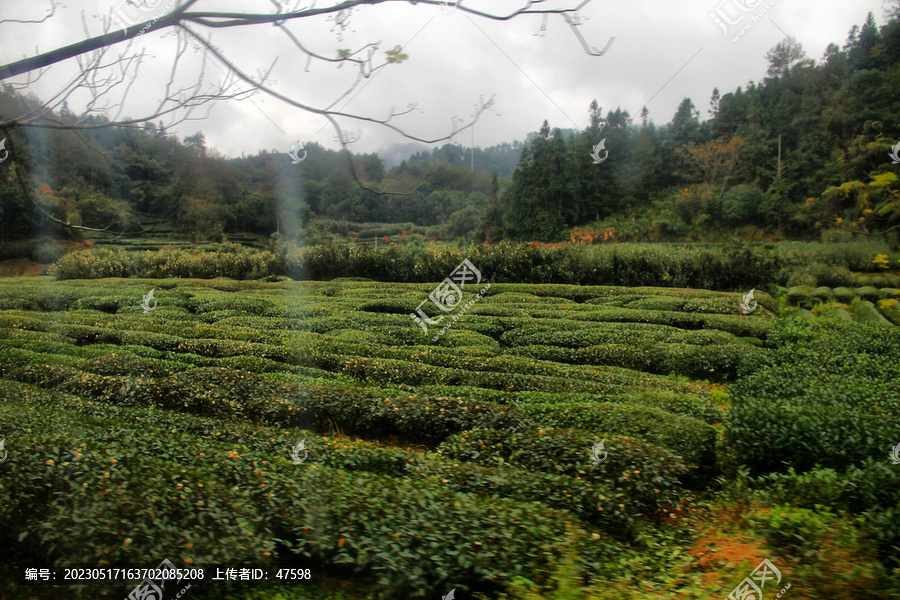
(865,312)
(235,263)
(826,380)
(817,274)
(872,294)
(857,489)
(707,362)
(690,439)
(544,352)
(697,404)
(207,489)
(713,267)
(411,533)
(106,304)
(77,466)
(844,294)
(890,309)
(255,364)
(823,294)
(592,501)
(643,473)
(232,394)
(426,420)
(801,295)
(792,530)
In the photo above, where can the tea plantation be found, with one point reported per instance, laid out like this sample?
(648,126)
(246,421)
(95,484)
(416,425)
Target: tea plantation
(463,463)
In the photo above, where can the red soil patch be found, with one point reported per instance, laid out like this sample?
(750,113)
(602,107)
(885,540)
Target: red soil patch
(721,546)
(19,267)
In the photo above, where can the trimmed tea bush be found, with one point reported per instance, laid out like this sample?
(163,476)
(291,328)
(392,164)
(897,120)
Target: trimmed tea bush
(642,472)
(690,439)
(827,380)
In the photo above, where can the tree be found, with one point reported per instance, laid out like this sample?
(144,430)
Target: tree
(101,73)
(714,103)
(892,11)
(109,63)
(197,143)
(685,126)
(540,198)
(714,161)
(786,56)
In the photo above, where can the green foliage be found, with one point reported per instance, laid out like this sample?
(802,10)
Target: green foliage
(226,376)
(794,530)
(327,514)
(845,295)
(827,380)
(641,472)
(692,440)
(592,501)
(235,262)
(868,293)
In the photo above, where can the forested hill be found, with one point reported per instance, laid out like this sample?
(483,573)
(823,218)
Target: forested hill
(805,149)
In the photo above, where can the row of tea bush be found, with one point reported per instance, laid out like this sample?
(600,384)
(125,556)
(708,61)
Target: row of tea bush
(719,267)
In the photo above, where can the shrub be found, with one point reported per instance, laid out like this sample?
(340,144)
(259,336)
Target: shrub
(692,440)
(591,501)
(844,294)
(823,294)
(869,293)
(232,394)
(890,309)
(791,529)
(856,489)
(826,380)
(864,312)
(234,510)
(78,466)
(713,267)
(708,362)
(801,295)
(644,473)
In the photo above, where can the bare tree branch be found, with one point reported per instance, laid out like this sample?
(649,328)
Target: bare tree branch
(108,74)
(179,16)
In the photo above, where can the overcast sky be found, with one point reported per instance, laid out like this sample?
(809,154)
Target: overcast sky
(664,50)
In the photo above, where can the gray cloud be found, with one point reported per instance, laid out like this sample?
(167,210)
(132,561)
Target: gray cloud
(453,59)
